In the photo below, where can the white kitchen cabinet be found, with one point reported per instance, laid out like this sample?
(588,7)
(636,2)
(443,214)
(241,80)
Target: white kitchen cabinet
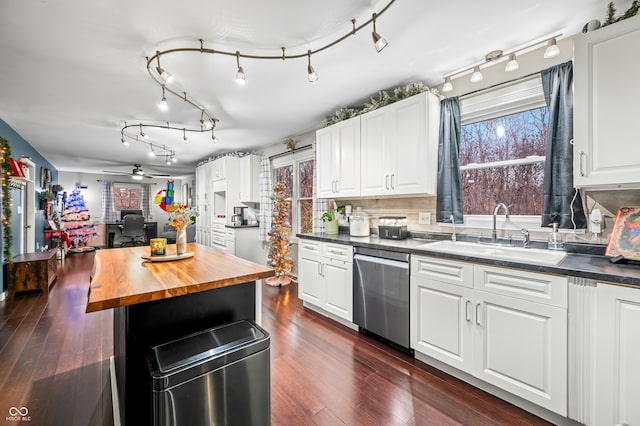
(503,326)
(617,347)
(249,189)
(243,242)
(338,159)
(606,107)
(399,146)
(218,168)
(325,277)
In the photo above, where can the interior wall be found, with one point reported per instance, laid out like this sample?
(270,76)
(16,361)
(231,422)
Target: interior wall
(92,195)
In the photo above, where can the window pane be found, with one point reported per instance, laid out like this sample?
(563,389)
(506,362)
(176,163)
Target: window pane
(511,137)
(285,174)
(305,177)
(305,209)
(127,197)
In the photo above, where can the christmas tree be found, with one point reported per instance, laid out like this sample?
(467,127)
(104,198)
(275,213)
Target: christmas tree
(279,258)
(76,221)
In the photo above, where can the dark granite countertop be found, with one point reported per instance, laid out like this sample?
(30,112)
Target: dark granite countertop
(241,226)
(590,266)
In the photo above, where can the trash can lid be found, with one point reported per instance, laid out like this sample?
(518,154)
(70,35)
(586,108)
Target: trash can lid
(242,337)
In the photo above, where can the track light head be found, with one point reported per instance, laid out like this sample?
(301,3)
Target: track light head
(477,75)
(552,49)
(240,77)
(184,136)
(214,138)
(124,141)
(311,73)
(164,74)
(447,86)
(378,41)
(163,105)
(143,135)
(512,65)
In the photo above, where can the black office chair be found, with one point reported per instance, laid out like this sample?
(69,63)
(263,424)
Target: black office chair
(133,229)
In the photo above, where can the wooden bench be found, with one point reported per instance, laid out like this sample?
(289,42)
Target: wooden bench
(32,271)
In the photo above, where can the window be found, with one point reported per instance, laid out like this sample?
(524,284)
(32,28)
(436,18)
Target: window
(297,174)
(127,197)
(502,149)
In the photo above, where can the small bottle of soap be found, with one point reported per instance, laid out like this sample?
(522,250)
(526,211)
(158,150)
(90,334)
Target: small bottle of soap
(555,239)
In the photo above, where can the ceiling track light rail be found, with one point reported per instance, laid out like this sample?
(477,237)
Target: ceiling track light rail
(495,56)
(140,136)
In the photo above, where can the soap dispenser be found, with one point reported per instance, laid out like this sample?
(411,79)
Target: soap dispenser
(555,239)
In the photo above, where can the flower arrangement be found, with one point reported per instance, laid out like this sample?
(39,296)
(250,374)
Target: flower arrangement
(181,215)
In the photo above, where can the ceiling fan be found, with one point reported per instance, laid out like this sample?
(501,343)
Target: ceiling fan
(137,173)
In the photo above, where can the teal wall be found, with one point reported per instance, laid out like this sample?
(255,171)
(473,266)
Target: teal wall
(20,147)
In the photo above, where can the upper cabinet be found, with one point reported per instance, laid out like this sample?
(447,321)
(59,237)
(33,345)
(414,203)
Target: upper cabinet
(391,151)
(249,179)
(338,159)
(399,145)
(606,107)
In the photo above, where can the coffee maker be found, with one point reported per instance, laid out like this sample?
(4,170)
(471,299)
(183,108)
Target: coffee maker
(239,216)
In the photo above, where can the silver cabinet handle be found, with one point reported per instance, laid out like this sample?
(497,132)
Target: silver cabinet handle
(319,269)
(386,181)
(466,310)
(392,185)
(477,315)
(337,186)
(582,155)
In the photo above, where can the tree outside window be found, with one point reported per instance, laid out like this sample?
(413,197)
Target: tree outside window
(502,160)
(298,179)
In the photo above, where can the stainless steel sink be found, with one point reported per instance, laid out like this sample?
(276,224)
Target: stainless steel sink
(515,254)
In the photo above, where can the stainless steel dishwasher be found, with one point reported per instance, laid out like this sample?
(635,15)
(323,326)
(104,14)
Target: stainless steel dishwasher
(381,294)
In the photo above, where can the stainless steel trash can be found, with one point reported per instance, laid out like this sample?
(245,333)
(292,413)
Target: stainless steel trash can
(218,376)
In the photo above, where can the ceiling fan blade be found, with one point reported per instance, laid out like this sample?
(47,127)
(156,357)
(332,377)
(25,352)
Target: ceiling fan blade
(116,172)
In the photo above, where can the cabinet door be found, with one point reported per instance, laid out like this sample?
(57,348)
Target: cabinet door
(521,347)
(249,179)
(617,349)
(375,172)
(326,162)
(310,287)
(410,171)
(338,280)
(349,158)
(442,321)
(606,148)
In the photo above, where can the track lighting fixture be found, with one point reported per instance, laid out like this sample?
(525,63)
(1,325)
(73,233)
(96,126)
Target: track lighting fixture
(163,102)
(378,41)
(477,75)
(151,152)
(240,77)
(512,65)
(497,56)
(447,86)
(184,136)
(552,49)
(164,75)
(310,71)
(214,138)
(124,141)
(143,134)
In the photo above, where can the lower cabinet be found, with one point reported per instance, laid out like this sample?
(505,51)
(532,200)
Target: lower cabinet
(325,277)
(617,394)
(506,327)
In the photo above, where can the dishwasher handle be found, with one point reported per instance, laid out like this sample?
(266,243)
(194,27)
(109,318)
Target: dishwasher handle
(381,261)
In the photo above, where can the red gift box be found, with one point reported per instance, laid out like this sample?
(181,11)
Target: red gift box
(16,167)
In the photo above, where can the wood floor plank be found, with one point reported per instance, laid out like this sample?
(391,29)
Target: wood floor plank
(54,359)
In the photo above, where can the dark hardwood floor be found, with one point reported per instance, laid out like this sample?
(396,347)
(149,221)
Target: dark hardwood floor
(54,360)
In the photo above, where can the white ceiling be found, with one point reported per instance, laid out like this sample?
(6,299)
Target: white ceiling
(71,72)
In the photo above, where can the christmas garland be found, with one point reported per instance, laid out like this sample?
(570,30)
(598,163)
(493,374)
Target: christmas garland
(5,155)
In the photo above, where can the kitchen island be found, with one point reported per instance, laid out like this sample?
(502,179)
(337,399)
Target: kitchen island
(156,302)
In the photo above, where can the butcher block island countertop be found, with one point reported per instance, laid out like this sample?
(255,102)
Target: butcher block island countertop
(120,277)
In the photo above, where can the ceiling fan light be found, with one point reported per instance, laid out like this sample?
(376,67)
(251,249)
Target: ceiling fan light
(477,75)
(447,86)
(552,49)
(512,65)
(136,177)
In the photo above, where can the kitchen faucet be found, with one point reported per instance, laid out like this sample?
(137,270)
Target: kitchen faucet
(494,232)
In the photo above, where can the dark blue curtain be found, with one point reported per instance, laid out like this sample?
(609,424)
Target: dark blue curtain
(449,198)
(561,202)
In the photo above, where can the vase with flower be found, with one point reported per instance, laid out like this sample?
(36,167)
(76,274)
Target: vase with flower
(180,216)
